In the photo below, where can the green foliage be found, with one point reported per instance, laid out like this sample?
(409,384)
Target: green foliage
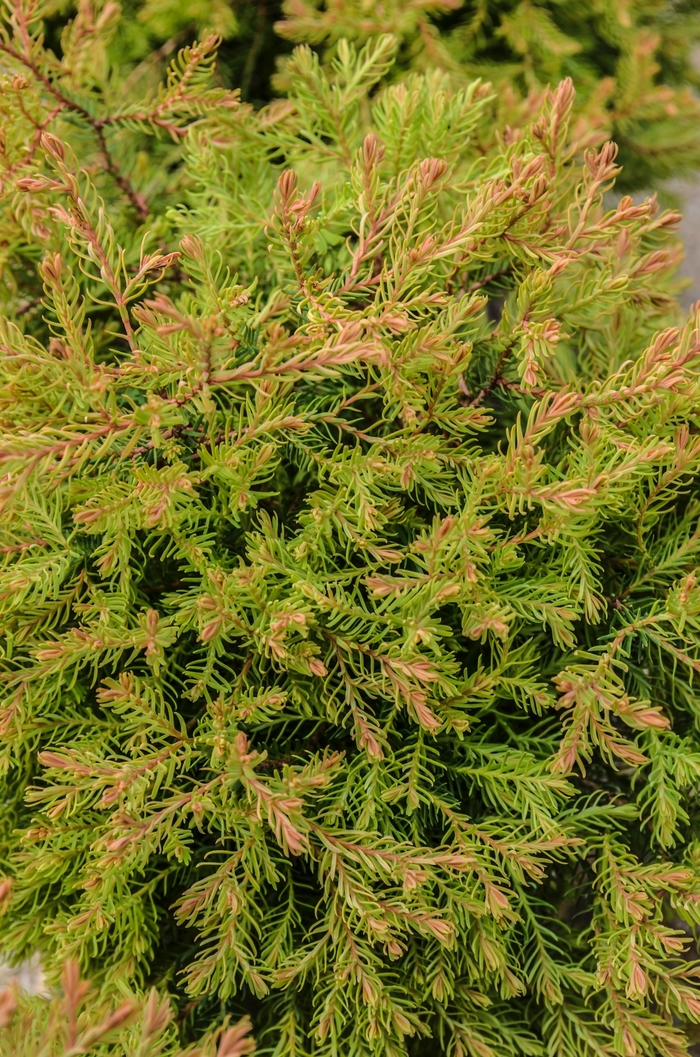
(349,538)
(631,61)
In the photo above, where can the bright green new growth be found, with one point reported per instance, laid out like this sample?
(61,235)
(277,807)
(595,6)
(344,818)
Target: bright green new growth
(349,534)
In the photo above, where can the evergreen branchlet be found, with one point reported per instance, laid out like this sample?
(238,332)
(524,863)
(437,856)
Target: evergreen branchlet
(349,535)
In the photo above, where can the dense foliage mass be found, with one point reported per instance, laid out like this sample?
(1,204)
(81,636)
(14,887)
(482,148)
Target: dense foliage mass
(632,62)
(349,538)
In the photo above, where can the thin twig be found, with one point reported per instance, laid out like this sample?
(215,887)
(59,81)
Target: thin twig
(138,201)
(496,377)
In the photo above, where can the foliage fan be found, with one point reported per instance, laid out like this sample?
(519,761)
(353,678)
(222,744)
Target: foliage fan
(350,524)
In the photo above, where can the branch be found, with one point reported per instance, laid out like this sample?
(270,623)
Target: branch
(137,200)
(496,378)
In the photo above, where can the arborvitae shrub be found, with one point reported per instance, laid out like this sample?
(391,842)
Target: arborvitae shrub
(350,521)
